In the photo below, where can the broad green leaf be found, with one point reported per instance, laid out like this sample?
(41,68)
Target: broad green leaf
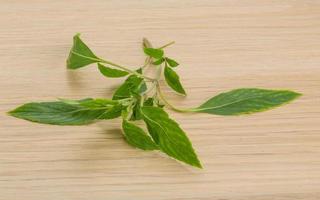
(246,101)
(158,62)
(173,80)
(62,113)
(80,55)
(171,62)
(155,53)
(131,86)
(110,72)
(136,136)
(170,138)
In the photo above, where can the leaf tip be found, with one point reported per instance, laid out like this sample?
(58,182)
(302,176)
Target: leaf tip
(197,164)
(294,95)
(10,113)
(13,113)
(76,35)
(297,94)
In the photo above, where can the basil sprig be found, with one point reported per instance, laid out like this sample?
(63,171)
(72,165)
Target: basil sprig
(135,100)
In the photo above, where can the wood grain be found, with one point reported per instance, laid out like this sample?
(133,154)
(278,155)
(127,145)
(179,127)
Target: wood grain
(221,45)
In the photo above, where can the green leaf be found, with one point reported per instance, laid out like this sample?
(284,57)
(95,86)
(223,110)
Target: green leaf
(63,113)
(158,62)
(246,101)
(131,86)
(110,72)
(80,55)
(136,136)
(171,139)
(155,53)
(173,80)
(171,62)
(112,113)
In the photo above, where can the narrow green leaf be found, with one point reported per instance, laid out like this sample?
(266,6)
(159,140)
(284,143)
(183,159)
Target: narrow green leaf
(57,113)
(80,55)
(155,53)
(110,72)
(64,112)
(136,136)
(158,62)
(246,101)
(171,62)
(171,139)
(173,80)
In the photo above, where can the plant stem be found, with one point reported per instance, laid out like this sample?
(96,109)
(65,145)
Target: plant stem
(147,62)
(126,69)
(166,45)
(161,95)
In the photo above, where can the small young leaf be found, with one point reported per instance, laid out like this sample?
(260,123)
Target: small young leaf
(136,136)
(155,53)
(133,85)
(148,102)
(80,55)
(173,80)
(171,139)
(158,62)
(171,62)
(110,72)
(246,101)
(146,43)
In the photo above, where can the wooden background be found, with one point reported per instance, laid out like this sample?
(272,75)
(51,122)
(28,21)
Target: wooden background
(221,45)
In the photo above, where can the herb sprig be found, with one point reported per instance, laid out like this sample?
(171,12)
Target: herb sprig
(140,98)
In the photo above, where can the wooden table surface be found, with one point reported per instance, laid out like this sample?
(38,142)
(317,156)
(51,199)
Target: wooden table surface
(221,45)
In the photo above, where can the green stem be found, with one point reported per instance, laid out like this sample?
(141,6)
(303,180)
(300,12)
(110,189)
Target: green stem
(166,45)
(161,95)
(147,62)
(126,69)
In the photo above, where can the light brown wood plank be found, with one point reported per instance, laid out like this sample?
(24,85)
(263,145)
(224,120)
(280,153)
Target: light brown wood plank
(221,45)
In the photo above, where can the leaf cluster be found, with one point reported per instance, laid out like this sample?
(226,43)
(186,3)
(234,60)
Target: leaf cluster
(140,98)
